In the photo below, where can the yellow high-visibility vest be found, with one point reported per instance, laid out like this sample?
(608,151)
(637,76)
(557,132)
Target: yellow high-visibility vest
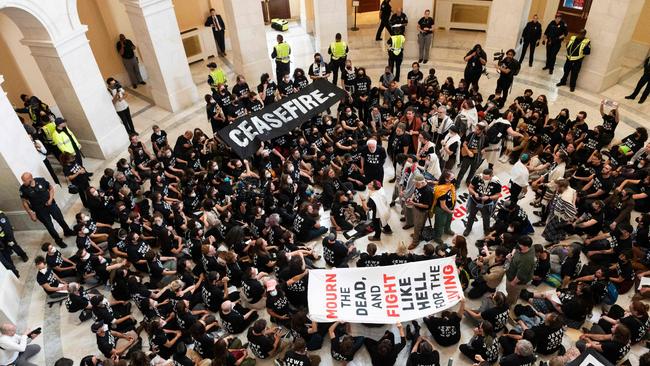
(397,44)
(49,129)
(218,76)
(282,51)
(338,50)
(63,142)
(570,50)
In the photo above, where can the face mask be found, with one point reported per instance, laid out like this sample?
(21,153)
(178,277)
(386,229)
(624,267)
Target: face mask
(274,293)
(192,194)
(289,181)
(318,60)
(169,155)
(52,250)
(43,271)
(105,328)
(158,222)
(85,230)
(84,218)
(158,133)
(86,256)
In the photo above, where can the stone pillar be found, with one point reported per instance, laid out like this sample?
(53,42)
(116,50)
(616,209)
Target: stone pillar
(330,17)
(506,22)
(159,40)
(608,27)
(414,10)
(17,155)
(307,15)
(251,55)
(73,77)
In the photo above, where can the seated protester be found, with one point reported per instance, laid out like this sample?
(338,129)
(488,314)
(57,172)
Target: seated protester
(136,250)
(63,267)
(423,353)
(641,244)
(445,328)
(640,192)
(295,280)
(84,241)
(576,303)
(598,188)
(513,219)
(635,319)
(336,253)
(53,286)
(542,264)
(614,347)
(298,355)
(162,341)
(115,314)
(235,318)
(277,304)
(483,343)
(306,224)
(490,271)
(117,244)
(180,355)
(548,334)
(591,222)
(384,351)
(98,231)
(264,342)
(161,269)
(618,207)
(370,258)
(622,151)
(524,355)
(604,248)
(497,314)
(204,342)
(401,255)
(345,213)
(621,273)
(101,206)
(78,298)
(94,266)
(344,346)
(253,289)
(212,293)
(107,341)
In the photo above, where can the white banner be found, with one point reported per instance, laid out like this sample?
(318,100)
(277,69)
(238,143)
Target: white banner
(384,295)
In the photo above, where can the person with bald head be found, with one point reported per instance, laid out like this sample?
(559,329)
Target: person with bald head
(15,349)
(37,195)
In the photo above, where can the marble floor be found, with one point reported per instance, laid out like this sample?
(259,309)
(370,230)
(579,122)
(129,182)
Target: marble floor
(64,336)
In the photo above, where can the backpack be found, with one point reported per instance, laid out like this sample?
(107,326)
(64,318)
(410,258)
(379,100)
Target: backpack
(516,67)
(611,294)
(495,132)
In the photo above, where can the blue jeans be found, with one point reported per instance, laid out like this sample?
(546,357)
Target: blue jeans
(314,233)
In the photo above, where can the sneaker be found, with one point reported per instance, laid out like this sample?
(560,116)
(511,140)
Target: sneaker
(24,257)
(392,180)
(402,219)
(630,97)
(406,227)
(560,84)
(466,232)
(61,244)
(545,68)
(420,61)
(425,61)
(392,204)
(539,224)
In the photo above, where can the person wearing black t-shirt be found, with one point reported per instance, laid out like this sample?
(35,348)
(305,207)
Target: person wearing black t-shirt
(63,267)
(445,329)
(235,318)
(344,346)
(384,351)
(163,341)
(48,280)
(423,353)
(370,258)
(107,340)
(126,50)
(614,347)
(336,253)
(484,191)
(524,355)
(252,288)
(476,60)
(298,355)
(497,314)
(373,158)
(507,69)
(264,342)
(425,36)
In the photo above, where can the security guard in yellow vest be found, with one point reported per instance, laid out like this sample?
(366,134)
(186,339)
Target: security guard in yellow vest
(339,54)
(396,53)
(578,47)
(216,77)
(65,140)
(281,53)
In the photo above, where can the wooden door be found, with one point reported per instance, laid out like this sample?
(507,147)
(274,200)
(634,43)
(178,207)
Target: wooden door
(366,6)
(279,9)
(574,13)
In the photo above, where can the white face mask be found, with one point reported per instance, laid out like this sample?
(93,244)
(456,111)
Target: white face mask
(43,270)
(52,250)
(86,256)
(289,181)
(85,230)
(274,293)
(158,222)
(105,328)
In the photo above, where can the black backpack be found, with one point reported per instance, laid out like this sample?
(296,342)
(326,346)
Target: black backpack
(495,132)
(516,67)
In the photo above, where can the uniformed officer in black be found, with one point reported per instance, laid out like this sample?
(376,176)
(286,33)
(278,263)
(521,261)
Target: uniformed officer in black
(38,200)
(530,38)
(578,47)
(8,242)
(645,80)
(398,22)
(384,15)
(555,32)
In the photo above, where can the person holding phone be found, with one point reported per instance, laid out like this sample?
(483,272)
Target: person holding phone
(16,349)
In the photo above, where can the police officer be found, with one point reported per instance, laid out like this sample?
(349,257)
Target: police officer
(398,22)
(281,53)
(385,11)
(38,201)
(216,77)
(578,47)
(645,80)
(507,69)
(530,37)
(396,53)
(339,54)
(555,32)
(7,237)
(425,36)
(65,140)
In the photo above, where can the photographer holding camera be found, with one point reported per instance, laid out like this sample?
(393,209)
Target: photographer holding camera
(507,68)
(118,96)
(475,59)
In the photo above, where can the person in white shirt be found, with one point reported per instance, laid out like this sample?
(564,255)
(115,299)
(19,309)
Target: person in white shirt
(15,349)
(118,96)
(519,178)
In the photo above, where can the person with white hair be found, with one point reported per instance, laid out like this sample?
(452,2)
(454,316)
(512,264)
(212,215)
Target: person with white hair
(16,349)
(524,355)
(235,318)
(373,158)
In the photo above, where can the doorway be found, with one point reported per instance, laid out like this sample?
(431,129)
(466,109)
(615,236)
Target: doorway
(279,9)
(366,6)
(574,13)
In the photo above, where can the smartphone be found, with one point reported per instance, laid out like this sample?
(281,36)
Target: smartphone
(36,331)
(450,362)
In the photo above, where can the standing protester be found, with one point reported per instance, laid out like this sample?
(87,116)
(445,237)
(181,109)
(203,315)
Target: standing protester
(281,53)
(218,30)
(385,11)
(472,153)
(118,96)
(126,49)
(645,80)
(417,209)
(578,47)
(38,201)
(507,68)
(484,191)
(398,22)
(555,32)
(77,177)
(319,69)
(444,200)
(530,38)
(476,60)
(519,178)
(338,52)
(373,158)
(396,53)
(521,268)
(16,350)
(425,36)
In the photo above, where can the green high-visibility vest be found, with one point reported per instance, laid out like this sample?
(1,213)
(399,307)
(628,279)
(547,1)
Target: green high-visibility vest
(397,44)
(282,51)
(338,50)
(218,76)
(571,49)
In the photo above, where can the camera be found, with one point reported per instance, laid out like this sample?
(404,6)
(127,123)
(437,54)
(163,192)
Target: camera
(498,56)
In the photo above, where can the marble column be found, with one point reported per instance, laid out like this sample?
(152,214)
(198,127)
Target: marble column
(330,17)
(608,27)
(414,10)
(251,55)
(307,15)
(506,22)
(73,77)
(17,155)
(159,41)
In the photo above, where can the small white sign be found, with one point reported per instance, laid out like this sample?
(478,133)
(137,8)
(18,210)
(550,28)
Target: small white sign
(355,3)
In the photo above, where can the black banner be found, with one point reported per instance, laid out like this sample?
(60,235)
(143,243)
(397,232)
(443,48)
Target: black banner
(244,134)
